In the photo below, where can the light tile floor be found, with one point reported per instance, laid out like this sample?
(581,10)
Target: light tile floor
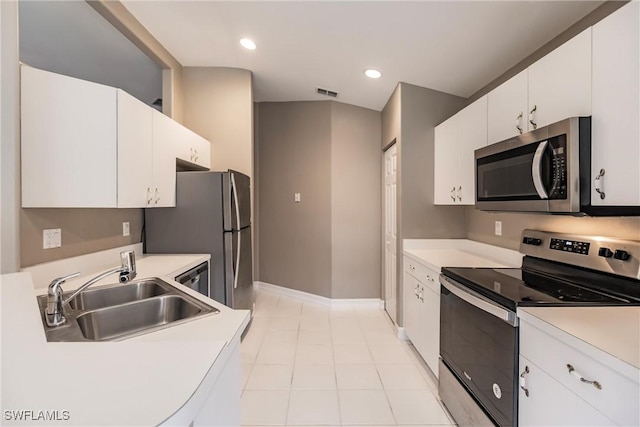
(308,365)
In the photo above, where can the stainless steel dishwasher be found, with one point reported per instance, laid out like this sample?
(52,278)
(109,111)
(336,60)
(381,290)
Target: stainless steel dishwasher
(196,278)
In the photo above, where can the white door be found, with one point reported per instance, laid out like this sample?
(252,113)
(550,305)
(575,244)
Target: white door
(390,229)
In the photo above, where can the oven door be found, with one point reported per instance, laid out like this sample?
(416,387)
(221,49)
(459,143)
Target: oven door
(479,344)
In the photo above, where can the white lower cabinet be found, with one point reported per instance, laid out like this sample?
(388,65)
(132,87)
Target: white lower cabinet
(421,315)
(543,401)
(217,401)
(565,385)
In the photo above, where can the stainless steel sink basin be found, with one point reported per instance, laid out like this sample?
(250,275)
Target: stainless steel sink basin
(92,299)
(118,311)
(124,319)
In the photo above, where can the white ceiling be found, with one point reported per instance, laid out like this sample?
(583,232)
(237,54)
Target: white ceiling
(452,46)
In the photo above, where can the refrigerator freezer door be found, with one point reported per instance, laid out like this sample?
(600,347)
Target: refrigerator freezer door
(237,200)
(238,269)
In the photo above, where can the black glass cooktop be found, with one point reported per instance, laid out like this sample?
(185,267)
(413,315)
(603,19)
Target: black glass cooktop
(541,282)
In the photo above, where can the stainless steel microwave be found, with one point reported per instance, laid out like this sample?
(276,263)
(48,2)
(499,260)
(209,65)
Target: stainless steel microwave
(539,171)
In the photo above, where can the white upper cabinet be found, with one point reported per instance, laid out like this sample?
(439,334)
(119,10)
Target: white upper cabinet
(560,83)
(86,145)
(193,148)
(472,134)
(135,151)
(446,161)
(165,134)
(507,113)
(456,139)
(68,131)
(615,135)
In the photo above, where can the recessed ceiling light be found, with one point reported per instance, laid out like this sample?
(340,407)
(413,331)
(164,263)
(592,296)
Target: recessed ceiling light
(372,73)
(248,44)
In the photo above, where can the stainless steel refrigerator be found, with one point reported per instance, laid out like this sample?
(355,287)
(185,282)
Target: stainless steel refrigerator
(213,216)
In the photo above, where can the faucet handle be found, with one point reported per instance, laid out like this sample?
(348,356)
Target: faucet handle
(55,283)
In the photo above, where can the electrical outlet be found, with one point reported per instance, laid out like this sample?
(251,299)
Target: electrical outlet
(296,197)
(498,228)
(51,238)
(125,229)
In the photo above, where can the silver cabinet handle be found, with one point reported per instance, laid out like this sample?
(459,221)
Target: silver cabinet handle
(195,155)
(421,295)
(523,381)
(518,122)
(191,153)
(459,192)
(453,190)
(157,195)
(597,184)
(534,124)
(149,197)
(579,376)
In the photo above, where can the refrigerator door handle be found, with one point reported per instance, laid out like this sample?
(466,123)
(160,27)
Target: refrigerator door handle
(235,199)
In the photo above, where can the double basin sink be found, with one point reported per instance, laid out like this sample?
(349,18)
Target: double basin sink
(118,311)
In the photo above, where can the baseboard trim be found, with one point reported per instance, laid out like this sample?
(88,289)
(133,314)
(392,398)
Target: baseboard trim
(402,335)
(346,303)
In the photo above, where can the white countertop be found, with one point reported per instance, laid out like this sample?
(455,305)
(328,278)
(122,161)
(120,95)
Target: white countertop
(139,381)
(438,253)
(613,330)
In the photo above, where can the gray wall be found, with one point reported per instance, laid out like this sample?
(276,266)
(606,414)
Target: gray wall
(71,38)
(9,139)
(218,105)
(355,200)
(328,244)
(410,117)
(83,231)
(295,156)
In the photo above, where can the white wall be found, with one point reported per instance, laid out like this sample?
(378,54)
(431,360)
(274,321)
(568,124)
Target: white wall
(9,138)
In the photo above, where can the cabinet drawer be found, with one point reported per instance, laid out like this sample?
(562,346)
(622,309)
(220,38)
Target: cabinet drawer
(425,275)
(619,397)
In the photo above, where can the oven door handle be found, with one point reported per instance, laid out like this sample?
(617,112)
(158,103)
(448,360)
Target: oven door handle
(536,170)
(479,301)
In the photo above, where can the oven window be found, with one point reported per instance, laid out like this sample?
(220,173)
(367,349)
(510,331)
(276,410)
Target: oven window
(482,352)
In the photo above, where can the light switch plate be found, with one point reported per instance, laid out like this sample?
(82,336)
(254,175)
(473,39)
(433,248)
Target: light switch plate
(51,238)
(498,228)
(126,229)
(296,197)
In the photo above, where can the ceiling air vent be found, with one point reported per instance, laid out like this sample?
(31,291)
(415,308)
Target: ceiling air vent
(327,92)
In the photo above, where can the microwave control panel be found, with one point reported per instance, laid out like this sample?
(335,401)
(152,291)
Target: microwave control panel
(559,167)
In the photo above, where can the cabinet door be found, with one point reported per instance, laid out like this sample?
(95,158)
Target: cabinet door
(410,316)
(507,109)
(560,83)
(430,321)
(549,403)
(446,162)
(164,160)
(68,142)
(135,151)
(472,134)
(616,98)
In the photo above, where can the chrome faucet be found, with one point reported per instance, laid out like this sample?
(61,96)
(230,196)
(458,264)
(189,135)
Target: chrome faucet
(54,312)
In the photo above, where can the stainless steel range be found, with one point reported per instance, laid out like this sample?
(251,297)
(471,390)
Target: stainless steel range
(479,326)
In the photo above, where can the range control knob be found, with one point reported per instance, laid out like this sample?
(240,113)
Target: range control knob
(532,241)
(621,255)
(605,252)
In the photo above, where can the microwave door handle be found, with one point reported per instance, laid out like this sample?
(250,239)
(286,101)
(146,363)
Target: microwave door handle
(536,170)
